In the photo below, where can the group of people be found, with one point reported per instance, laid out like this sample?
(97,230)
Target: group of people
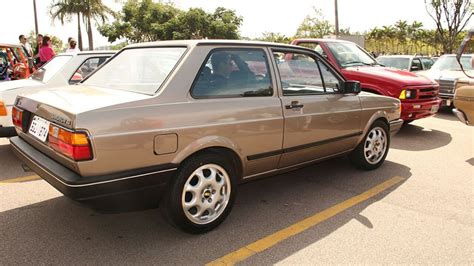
(43,51)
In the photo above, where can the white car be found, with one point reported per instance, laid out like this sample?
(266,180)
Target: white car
(63,69)
(447,72)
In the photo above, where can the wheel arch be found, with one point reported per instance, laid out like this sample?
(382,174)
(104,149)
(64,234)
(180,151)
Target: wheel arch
(216,145)
(377,116)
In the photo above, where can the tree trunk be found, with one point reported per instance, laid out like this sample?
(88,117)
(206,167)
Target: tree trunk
(89,34)
(79,33)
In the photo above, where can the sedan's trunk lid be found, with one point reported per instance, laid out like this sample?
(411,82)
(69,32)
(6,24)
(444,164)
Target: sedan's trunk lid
(62,105)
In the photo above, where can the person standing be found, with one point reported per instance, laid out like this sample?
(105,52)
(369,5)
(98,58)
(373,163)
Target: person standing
(46,52)
(72,47)
(39,41)
(27,50)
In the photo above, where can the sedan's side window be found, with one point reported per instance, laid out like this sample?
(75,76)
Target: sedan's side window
(233,73)
(86,68)
(302,74)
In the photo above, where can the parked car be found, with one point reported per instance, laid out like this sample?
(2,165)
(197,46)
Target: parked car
(14,63)
(447,72)
(62,70)
(419,95)
(464,93)
(411,63)
(189,120)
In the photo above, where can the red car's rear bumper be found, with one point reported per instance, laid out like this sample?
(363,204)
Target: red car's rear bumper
(417,110)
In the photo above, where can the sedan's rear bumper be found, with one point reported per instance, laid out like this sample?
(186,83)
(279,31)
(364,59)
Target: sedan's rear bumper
(91,190)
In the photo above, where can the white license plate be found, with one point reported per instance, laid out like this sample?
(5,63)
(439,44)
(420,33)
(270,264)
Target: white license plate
(434,108)
(39,128)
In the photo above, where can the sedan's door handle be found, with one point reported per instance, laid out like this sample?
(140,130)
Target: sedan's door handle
(294,105)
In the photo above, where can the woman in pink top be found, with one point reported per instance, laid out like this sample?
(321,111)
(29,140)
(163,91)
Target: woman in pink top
(45,51)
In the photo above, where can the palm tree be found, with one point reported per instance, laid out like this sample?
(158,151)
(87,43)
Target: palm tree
(94,10)
(63,10)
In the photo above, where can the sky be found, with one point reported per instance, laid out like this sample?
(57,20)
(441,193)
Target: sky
(258,16)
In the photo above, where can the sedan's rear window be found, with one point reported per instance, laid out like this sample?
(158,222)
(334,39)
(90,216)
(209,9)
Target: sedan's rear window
(138,70)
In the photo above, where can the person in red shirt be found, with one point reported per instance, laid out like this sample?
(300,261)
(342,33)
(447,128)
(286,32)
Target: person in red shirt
(46,51)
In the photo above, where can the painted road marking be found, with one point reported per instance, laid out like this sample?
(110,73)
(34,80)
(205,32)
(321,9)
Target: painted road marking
(20,179)
(273,239)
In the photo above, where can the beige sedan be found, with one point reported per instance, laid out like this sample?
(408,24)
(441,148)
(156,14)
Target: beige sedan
(186,121)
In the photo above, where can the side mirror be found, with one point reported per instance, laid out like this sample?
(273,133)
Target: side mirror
(351,86)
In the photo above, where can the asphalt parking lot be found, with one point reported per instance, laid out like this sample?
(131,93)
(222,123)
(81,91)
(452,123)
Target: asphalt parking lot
(416,208)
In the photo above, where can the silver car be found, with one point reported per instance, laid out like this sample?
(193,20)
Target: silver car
(186,121)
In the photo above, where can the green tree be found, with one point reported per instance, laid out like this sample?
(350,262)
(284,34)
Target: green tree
(89,10)
(97,11)
(314,26)
(401,27)
(141,21)
(63,10)
(274,37)
(450,16)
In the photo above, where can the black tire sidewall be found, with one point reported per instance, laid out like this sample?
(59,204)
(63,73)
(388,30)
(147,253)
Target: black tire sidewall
(171,204)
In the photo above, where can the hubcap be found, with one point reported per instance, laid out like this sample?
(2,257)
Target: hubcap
(206,194)
(375,145)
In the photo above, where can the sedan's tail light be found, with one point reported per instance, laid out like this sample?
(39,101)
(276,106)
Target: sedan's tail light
(17,117)
(75,145)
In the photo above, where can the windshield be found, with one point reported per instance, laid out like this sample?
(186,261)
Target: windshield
(450,63)
(349,54)
(48,70)
(139,70)
(395,62)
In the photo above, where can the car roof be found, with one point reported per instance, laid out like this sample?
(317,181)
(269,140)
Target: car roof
(404,56)
(323,40)
(398,56)
(192,43)
(455,55)
(98,52)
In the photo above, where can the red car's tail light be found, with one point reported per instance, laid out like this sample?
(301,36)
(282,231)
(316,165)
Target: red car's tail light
(74,145)
(17,117)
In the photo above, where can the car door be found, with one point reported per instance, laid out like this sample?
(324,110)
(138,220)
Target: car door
(320,120)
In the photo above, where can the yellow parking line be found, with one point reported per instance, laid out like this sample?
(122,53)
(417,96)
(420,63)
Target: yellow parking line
(273,239)
(20,179)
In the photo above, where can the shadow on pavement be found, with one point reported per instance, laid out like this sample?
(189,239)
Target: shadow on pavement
(446,113)
(10,165)
(60,232)
(417,138)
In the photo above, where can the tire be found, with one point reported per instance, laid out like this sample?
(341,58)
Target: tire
(372,150)
(201,195)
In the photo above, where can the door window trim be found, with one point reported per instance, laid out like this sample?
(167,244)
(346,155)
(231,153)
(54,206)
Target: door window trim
(318,58)
(214,50)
